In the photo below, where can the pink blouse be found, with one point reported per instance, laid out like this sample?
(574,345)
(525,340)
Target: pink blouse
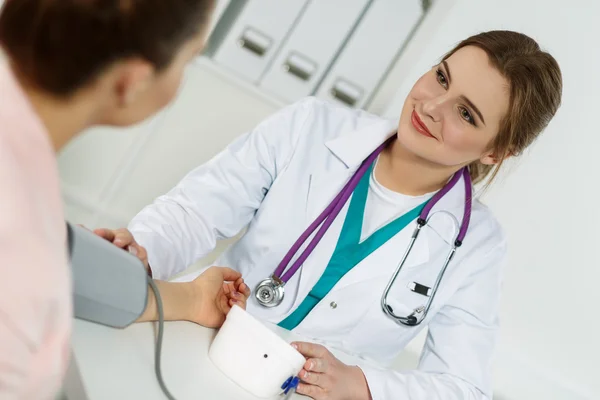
(35,283)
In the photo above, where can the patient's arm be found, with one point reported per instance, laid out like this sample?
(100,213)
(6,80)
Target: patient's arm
(205,300)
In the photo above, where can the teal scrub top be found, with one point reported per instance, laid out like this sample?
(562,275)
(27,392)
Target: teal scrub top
(350,251)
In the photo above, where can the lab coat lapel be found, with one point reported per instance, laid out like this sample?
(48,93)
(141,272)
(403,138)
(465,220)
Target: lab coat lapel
(445,218)
(347,153)
(322,189)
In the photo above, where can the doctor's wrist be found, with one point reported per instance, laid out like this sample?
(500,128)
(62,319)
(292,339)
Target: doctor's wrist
(361,389)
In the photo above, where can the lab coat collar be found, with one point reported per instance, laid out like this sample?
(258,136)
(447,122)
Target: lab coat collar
(354,147)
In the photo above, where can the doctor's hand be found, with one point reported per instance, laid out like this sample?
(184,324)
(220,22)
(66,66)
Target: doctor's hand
(324,377)
(124,239)
(215,291)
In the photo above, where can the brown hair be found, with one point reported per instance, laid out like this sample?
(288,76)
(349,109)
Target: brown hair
(534,97)
(63,45)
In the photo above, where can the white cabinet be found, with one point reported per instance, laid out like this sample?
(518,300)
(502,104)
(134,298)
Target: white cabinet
(257,33)
(311,48)
(371,50)
(339,50)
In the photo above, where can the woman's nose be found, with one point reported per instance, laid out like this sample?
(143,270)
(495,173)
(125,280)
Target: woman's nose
(433,107)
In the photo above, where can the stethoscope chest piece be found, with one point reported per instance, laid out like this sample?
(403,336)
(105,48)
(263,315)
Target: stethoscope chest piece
(270,292)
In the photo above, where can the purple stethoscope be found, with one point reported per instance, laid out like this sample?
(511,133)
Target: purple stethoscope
(270,291)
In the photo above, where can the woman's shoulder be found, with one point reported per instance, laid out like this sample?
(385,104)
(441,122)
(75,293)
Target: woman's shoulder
(305,128)
(318,117)
(323,111)
(486,230)
(325,107)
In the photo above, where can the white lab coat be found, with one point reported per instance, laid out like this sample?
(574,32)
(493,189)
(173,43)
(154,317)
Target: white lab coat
(275,180)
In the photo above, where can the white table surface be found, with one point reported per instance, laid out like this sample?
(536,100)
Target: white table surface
(119,363)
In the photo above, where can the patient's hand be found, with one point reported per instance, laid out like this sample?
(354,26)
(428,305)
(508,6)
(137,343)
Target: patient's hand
(237,292)
(215,292)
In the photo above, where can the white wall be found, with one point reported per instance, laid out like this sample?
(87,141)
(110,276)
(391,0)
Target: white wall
(548,202)
(108,175)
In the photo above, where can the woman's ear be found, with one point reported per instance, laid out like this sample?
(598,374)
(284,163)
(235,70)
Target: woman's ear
(489,159)
(492,158)
(132,77)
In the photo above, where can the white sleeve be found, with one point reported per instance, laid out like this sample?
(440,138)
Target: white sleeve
(456,362)
(218,199)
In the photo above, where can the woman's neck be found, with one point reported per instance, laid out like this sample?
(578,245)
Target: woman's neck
(62,118)
(404,172)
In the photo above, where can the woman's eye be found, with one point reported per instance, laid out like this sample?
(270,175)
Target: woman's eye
(441,78)
(466,115)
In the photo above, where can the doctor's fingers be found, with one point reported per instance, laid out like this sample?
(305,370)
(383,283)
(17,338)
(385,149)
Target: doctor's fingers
(319,365)
(107,234)
(138,251)
(312,391)
(315,378)
(119,237)
(311,350)
(123,238)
